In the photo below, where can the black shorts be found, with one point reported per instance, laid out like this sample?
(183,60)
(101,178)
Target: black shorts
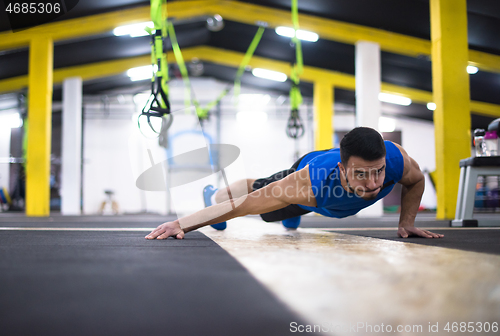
(290,211)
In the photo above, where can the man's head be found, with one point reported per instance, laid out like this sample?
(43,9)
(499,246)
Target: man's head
(362,152)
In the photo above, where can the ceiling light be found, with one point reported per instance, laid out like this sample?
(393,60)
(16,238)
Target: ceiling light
(393,99)
(307,35)
(134,30)
(431,106)
(472,69)
(386,124)
(301,34)
(285,31)
(141,73)
(268,74)
(10,120)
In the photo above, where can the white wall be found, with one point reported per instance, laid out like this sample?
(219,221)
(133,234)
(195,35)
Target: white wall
(418,141)
(8,118)
(4,154)
(115,154)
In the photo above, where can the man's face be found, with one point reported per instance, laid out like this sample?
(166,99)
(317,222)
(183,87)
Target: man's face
(365,178)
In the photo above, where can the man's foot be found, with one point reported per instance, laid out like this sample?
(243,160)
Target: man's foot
(208,191)
(291,223)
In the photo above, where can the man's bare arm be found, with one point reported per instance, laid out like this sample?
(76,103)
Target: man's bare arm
(293,189)
(413,182)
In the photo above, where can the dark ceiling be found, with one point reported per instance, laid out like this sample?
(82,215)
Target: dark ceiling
(409,17)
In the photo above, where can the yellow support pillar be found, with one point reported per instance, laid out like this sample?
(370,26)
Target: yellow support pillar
(323,115)
(41,56)
(451,94)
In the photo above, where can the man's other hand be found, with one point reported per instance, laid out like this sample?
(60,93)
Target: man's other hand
(168,229)
(408,231)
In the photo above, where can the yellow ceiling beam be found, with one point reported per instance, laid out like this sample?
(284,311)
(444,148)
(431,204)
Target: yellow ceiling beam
(484,61)
(244,13)
(13,84)
(209,54)
(233,59)
(342,32)
(326,28)
(101,69)
(486,109)
(420,96)
(310,74)
(98,24)
(86,72)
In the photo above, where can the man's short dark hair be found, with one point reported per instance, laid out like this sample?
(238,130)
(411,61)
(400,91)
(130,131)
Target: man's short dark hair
(364,142)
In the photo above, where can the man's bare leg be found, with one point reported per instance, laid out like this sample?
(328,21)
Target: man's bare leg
(237,189)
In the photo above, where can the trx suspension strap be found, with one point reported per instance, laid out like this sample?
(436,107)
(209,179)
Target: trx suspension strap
(189,97)
(182,68)
(246,60)
(158,104)
(239,73)
(295,128)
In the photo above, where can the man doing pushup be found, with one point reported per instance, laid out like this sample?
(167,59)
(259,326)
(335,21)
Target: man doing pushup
(335,183)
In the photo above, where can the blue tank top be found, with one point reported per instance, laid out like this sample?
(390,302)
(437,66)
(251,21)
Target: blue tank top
(331,198)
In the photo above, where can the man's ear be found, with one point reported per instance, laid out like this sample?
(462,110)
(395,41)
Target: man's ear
(342,168)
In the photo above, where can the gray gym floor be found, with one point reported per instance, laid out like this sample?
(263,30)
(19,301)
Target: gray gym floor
(483,239)
(55,280)
(97,275)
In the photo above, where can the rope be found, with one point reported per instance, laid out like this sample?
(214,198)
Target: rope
(246,60)
(189,96)
(295,128)
(158,104)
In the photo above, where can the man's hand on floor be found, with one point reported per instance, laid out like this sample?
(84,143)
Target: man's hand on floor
(165,230)
(408,231)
